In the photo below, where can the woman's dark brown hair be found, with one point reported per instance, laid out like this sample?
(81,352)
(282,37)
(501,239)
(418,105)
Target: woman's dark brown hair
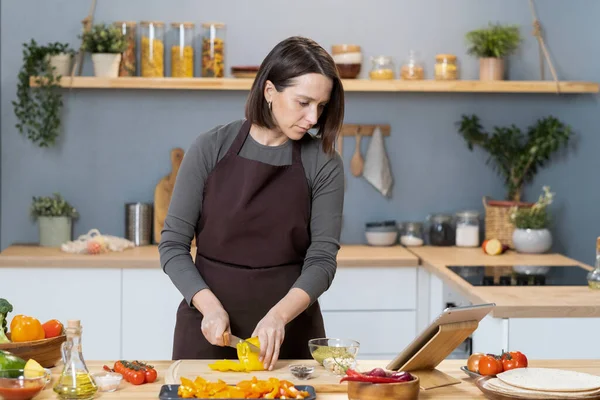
(290,58)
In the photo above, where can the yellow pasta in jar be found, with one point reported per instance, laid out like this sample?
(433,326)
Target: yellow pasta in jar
(182,62)
(152,55)
(213,60)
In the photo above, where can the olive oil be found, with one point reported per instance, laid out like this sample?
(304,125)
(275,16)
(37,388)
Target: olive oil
(75,381)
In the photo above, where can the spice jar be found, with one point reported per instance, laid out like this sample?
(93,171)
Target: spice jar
(213,50)
(411,234)
(446,67)
(441,231)
(467,229)
(153,48)
(382,68)
(412,69)
(128,66)
(182,50)
(348,60)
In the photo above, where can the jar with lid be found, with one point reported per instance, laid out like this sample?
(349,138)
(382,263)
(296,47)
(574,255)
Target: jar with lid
(411,234)
(593,277)
(446,67)
(467,229)
(382,67)
(412,69)
(441,231)
(348,60)
(213,50)
(182,49)
(128,66)
(152,49)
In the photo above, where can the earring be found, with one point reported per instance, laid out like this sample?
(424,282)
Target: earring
(270,103)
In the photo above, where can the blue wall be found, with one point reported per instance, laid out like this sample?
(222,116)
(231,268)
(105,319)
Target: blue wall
(115,144)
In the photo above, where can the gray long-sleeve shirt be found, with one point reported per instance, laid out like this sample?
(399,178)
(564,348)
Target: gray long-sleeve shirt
(325,178)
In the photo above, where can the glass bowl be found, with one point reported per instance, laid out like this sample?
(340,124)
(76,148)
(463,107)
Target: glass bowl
(333,351)
(15,385)
(107,381)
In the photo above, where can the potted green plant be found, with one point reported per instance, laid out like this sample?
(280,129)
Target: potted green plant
(532,234)
(38,108)
(106,43)
(492,45)
(55,218)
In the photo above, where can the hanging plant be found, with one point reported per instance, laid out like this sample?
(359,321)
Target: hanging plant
(38,108)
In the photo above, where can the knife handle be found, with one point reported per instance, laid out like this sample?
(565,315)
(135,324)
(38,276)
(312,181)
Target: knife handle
(226,338)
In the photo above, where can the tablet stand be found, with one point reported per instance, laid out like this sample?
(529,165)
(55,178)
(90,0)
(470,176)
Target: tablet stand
(423,363)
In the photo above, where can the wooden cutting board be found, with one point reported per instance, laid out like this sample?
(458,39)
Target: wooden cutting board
(322,380)
(163,193)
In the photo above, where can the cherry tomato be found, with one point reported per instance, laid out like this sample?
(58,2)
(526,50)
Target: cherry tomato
(513,359)
(119,367)
(137,377)
(490,365)
(52,328)
(473,362)
(151,375)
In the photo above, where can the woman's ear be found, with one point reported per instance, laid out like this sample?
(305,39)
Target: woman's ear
(269,91)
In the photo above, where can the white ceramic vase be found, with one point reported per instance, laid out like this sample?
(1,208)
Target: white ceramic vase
(106,64)
(533,241)
(54,231)
(62,64)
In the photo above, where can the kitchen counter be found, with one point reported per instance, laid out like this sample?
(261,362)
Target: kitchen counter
(148,257)
(465,390)
(513,301)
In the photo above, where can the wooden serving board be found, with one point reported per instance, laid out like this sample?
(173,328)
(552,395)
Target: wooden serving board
(322,380)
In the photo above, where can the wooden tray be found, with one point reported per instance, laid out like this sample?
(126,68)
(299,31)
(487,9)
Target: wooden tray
(494,395)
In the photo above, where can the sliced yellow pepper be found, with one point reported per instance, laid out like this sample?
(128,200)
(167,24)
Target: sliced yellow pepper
(248,360)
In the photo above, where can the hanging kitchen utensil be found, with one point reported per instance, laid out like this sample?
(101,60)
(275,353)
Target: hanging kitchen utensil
(357,162)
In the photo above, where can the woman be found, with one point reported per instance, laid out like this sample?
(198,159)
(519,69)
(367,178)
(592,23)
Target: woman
(265,200)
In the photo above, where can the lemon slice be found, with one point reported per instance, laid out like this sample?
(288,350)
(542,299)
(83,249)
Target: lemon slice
(33,369)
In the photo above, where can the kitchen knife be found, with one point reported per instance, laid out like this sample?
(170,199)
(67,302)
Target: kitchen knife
(232,341)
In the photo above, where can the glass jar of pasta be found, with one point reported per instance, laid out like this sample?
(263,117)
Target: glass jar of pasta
(213,50)
(182,50)
(446,67)
(382,68)
(152,49)
(128,66)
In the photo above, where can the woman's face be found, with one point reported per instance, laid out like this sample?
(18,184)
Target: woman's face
(298,107)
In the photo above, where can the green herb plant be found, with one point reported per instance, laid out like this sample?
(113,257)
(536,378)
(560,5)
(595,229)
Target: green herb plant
(52,206)
(517,156)
(536,216)
(104,38)
(495,41)
(38,108)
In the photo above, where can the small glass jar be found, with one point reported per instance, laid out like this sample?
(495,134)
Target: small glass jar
(467,229)
(182,50)
(593,277)
(128,66)
(412,69)
(411,234)
(213,50)
(152,49)
(441,231)
(446,67)
(348,60)
(382,67)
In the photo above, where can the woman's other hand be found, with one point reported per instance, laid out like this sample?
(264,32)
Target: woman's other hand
(270,331)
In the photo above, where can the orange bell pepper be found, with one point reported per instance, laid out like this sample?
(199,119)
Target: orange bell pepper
(26,329)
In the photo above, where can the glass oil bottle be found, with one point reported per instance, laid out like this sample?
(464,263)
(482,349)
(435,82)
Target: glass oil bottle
(593,277)
(75,381)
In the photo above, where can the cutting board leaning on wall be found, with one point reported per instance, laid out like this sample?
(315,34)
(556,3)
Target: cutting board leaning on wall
(163,193)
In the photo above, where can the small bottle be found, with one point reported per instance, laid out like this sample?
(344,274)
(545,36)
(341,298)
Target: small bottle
(75,381)
(593,277)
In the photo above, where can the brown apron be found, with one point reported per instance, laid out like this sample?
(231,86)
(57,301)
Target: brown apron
(252,239)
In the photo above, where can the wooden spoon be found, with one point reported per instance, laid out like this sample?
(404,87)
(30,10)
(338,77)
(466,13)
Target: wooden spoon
(357,163)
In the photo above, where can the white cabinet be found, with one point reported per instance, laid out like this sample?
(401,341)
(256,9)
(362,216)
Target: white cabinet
(91,295)
(150,302)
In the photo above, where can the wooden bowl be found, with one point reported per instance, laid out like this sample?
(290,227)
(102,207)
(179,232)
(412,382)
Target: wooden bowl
(384,391)
(45,351)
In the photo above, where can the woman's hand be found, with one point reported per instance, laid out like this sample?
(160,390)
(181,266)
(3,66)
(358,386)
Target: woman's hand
(270,331)
(215,320)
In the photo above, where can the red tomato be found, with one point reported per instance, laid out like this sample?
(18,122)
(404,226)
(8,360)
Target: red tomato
(119,367)
(490,365)
(137,377)
(513,359)
(473,362)
(151,375)
(53,328)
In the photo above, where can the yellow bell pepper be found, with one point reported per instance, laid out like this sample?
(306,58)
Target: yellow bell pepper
(248,360)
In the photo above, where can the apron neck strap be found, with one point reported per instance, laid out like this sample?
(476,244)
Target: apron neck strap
(238,143)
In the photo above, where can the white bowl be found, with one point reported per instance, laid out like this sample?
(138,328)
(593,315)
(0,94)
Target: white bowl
(381,238)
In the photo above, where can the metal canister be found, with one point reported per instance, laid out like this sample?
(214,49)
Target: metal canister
(138,223)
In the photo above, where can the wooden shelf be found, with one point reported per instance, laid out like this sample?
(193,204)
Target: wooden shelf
(350,85)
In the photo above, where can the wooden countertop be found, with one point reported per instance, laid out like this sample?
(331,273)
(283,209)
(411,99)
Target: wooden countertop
(464,390)
(514,301)
(148,257)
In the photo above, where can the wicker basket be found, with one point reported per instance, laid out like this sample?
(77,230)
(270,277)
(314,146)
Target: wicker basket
(47,352)
(497,219)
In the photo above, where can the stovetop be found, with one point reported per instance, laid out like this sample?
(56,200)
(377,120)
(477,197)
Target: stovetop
(522,275)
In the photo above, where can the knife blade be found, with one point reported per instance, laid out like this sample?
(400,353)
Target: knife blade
(232,341)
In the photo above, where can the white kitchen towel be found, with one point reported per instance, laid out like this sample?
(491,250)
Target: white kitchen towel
(377,170)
